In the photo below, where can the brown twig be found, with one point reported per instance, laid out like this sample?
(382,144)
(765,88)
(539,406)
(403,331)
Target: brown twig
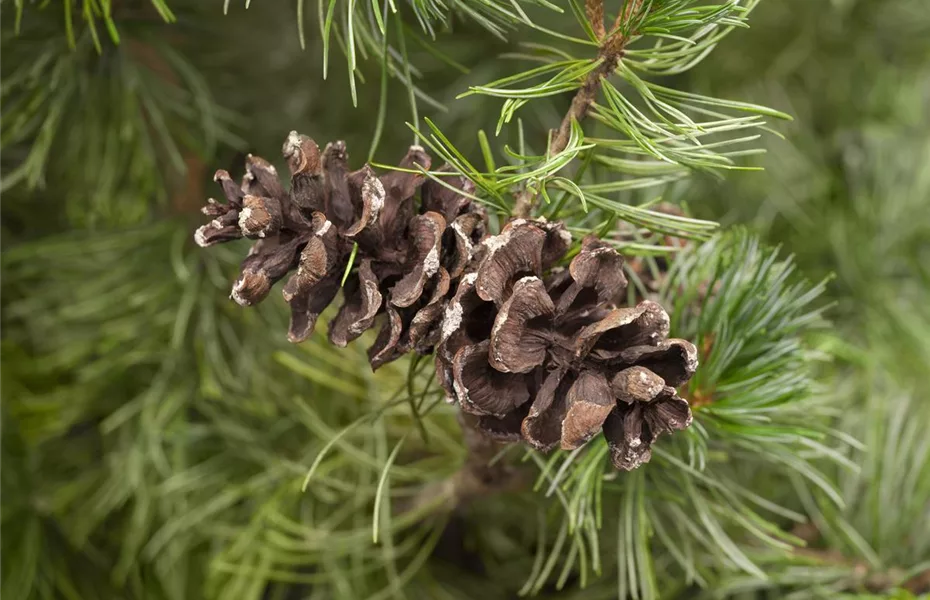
(595,13)
(612,45)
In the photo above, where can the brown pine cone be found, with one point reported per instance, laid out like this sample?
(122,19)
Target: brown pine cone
(408,253)
(552,360)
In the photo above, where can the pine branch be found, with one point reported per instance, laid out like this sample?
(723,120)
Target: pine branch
(476,477)
(610,53)
(230,476)
(665,134)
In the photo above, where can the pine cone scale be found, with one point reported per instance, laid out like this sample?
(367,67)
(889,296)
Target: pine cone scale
(357,314)
(589,401)
(484,392)
(426,230)
(516,347)
(542,427)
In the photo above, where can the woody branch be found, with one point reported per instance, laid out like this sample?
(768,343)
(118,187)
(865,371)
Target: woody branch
(611,48)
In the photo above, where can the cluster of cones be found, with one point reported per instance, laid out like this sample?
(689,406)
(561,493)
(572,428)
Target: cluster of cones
(536,351)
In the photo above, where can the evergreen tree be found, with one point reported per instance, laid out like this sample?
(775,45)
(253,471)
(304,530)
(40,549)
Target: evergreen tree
(160,441)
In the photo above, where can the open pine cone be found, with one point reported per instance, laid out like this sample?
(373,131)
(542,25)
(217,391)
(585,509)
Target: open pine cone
(408,254)
(552,360)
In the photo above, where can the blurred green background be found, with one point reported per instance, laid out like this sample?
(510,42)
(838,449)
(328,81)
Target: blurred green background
(150,425)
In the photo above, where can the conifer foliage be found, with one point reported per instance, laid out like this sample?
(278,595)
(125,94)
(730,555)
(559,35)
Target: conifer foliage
(523,360)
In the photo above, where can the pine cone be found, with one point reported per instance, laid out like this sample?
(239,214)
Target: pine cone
(553,360)
(407,255)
